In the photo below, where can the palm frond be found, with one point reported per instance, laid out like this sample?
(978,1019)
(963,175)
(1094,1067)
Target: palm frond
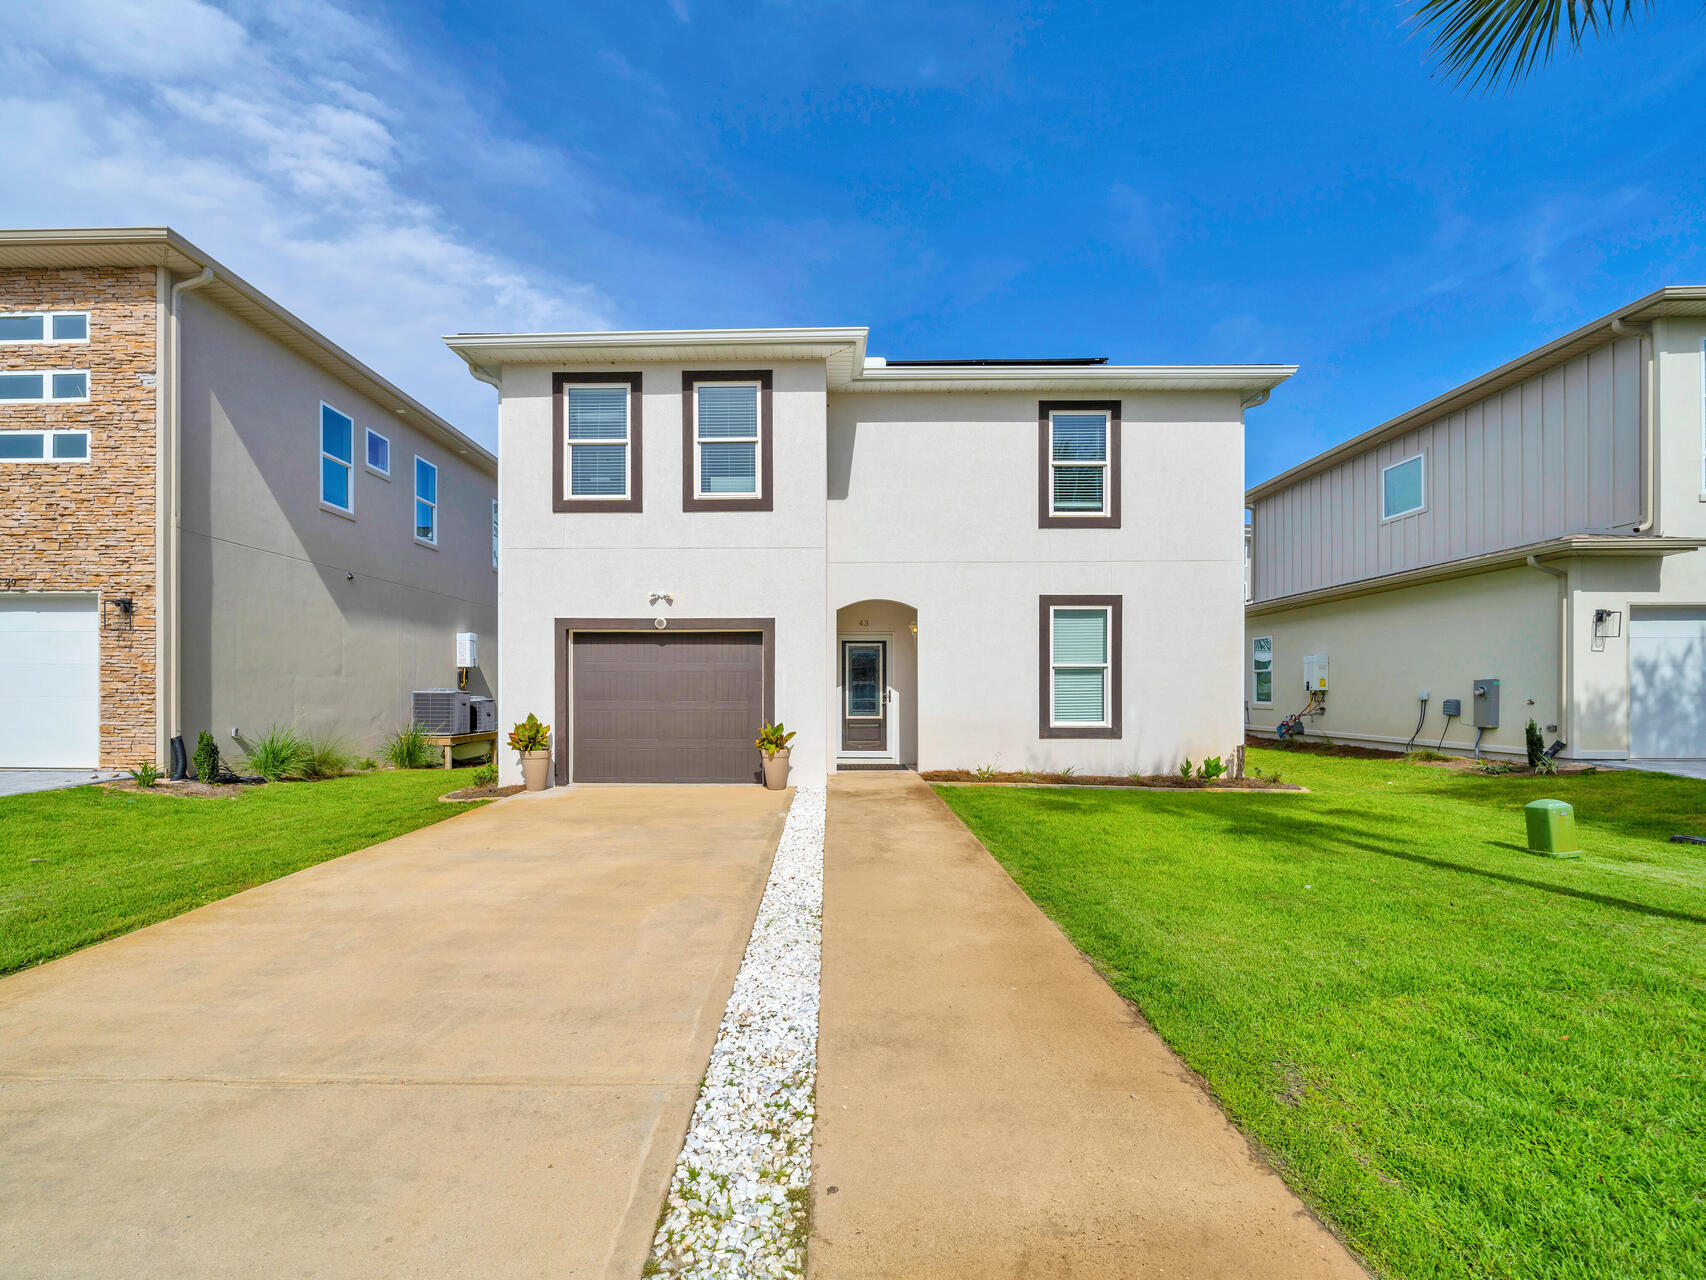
(1481,42)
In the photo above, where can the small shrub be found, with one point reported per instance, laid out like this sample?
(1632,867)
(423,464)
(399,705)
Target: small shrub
(366,763)
(146,775)
(409,748)
(484,776)
(1067,772)
(1546,766)
(1493,768)
(323,758)
(986,772)
(206,758)
(1536,744)
(277,754)
(1185,770)
(1210,769)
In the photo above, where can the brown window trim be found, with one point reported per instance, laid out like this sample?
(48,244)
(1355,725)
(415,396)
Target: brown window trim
(1045,517)
(1116,663)
(561,500)
(765,501)
(564,628)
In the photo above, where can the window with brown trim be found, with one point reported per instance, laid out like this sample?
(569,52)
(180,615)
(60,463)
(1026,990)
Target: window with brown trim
(726,444)
(1078,464)
(595,442)
(1079,648)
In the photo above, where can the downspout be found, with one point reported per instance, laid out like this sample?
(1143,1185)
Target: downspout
(170,460)
(1563,577)
(1649,412)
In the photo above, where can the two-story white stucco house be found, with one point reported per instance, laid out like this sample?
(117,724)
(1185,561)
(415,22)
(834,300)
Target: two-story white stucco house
(1534,536)
(1026,564)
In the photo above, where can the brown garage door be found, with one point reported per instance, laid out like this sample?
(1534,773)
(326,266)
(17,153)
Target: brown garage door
(667,708)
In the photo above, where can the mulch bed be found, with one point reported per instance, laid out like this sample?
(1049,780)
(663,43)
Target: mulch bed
(188,788)
(483,793)
(1150,782)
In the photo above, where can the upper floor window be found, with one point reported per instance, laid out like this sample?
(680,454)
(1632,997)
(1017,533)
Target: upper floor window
(44,326)
(337,460)
(426,502)
(1262,670)
(378,454)
(726,441)
(36,387)
(1078,464)
(44,446)
(1401,488)
(1081,667)
(595,427)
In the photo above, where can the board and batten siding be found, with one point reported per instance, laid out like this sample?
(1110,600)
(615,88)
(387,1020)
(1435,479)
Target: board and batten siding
(1556,454)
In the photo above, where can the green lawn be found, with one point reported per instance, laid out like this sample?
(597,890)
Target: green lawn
(90,863)
(1471,1060)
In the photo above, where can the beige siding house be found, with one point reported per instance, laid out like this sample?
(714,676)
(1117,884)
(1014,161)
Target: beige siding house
(1539,527)
(911,564)
(210,516)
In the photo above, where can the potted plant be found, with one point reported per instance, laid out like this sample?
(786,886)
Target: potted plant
(531,741)
(773,742)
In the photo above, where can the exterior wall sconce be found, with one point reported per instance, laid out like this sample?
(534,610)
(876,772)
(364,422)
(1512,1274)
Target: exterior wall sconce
(121,611)
(915,628)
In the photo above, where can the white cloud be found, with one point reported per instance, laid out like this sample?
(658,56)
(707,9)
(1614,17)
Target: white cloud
(286,139)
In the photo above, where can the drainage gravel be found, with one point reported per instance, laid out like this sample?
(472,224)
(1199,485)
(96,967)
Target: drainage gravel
(738,1201)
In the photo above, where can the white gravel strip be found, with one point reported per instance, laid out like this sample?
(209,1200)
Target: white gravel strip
(738,1201)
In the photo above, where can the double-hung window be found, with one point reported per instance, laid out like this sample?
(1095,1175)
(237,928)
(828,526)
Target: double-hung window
(1078,464)
(1080,638)
(44,446)
(49,327)
(378,454)
(1262,670)
(337,460)
(47,385)
(598,441)
(426,502)
(726,441)
(1401,488)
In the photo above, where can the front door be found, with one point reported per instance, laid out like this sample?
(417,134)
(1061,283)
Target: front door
(864,695)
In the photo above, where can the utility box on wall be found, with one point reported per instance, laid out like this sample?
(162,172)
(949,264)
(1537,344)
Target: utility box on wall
(467,649)
(1486,705)
(1315,672)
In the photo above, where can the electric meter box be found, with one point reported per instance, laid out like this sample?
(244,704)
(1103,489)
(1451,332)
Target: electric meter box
(467,649)
(1315,672)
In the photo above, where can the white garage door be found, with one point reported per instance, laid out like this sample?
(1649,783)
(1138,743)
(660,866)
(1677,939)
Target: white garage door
(50,682)
(1667,684)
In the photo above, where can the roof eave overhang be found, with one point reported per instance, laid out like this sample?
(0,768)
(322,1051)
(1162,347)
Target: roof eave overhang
(1595,546)
(1243,379)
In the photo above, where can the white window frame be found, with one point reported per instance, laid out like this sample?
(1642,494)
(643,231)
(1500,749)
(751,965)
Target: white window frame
(627,443)
(47,447)
(47,339)
(756,439)
(1420,456)
(1255,700)
(1703,422)
(47,396)
(1106,666)
(319,478)
(369,435)
(414,524)
(494,535)
(1107,447)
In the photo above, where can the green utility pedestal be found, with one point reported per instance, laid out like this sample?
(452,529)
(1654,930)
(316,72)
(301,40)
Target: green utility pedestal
(1552,829)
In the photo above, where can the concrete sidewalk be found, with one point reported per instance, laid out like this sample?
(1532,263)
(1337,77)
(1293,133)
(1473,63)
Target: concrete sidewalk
(470,1051)
(988,1107)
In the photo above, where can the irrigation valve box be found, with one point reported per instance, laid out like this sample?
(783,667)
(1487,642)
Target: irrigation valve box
(1315,672)
(467,649)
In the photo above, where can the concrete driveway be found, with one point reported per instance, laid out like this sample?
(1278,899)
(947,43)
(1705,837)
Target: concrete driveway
(469,1051)
(20,782)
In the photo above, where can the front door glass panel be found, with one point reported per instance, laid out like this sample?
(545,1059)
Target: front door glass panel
(864,681)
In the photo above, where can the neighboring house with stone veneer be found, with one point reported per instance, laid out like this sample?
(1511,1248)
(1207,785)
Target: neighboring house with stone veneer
(1538,533)
(211,517)
(1028,564)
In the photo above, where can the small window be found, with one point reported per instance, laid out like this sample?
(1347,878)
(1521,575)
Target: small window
(598,441)
(1262,670)
(28,388)
(1078,653)
(40,446)
(337,455)
(426,502)
(726,439)
(494,533)
(1401,488)
(378,454)
(45,326)
(1078,464)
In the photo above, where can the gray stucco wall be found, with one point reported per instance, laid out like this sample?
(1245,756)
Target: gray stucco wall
(292,614)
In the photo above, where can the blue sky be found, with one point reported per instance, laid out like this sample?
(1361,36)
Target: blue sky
(1152,184)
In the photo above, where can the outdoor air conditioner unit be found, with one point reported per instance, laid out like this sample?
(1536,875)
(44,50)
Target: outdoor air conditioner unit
(442,710)
(485,715)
